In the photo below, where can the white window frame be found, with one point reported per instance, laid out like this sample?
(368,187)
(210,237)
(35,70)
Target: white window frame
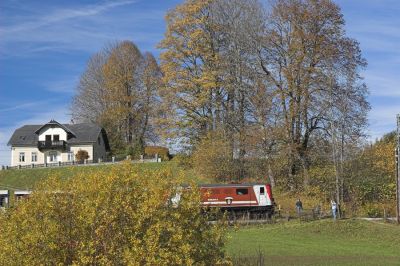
(22,157)
(34,156)
(52,156)
(70,156)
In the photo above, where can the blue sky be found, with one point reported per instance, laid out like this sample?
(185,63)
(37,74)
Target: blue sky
(44,47)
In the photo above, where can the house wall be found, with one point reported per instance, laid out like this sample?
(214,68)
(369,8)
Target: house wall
(61,156)
(88,148)
(28,155)
(52,131)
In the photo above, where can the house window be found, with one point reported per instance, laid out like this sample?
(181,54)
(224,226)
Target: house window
(262,191)
(34,156)
(56,137)
(22,156)
(70,156)
(48,137)
(52,156)
(242,191)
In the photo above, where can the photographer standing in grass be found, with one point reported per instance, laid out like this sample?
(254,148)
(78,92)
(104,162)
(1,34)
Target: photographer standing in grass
(334,208)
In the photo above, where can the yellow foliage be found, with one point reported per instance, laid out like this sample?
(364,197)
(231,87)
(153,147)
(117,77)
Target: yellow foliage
(162,152)
(213,158)
(383,153)
(120,216)
(189,62)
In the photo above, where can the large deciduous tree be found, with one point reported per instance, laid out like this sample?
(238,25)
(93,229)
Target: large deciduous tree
(309,61)
(272,79)
(190,63)
(119,90)
(207,61)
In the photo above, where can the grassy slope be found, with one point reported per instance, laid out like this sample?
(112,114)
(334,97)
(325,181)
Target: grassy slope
(26,178)
(347,242)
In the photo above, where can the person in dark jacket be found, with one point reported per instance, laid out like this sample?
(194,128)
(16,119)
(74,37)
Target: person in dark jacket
(299,206)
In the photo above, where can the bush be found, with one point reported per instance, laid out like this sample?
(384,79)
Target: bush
(183,160)
(372,210)
(112,217)
(134,151)
(162,152)
(376,209)
(81,155)
(212,158)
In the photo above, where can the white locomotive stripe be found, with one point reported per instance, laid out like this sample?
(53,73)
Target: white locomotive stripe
(233,202)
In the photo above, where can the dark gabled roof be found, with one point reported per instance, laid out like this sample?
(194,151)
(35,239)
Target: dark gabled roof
(85,133)
(24,136)
(55,123)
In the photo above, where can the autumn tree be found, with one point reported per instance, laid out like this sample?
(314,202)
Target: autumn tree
(212,158)
(82,155)
(119,91)
(370,175)
(190,61)
(243,68)
(304,52)
(89,104)
(122,216)
(208,69)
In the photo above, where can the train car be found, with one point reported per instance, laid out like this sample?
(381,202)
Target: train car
(4,198)
(21,194)
(253,198)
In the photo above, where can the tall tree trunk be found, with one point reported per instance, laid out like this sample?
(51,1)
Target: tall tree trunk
(342,165)
(335,163)
(242,135)
(270,173)
(306,166)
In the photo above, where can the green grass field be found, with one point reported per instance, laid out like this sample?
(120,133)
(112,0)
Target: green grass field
(324,242)
(26,178)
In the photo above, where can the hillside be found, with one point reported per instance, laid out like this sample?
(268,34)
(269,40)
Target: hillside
(26,178)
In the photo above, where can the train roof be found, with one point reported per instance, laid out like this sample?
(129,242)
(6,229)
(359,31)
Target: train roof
(232,185)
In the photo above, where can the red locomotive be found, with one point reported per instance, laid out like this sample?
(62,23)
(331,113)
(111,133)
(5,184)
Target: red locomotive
(252,198)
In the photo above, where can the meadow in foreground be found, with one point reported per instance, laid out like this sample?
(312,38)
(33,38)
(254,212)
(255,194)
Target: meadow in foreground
(324,242)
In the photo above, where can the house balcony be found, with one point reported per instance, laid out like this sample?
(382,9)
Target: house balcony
(52,145)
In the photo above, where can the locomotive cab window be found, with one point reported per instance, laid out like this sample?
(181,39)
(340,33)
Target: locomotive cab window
(242,191)
(262,191)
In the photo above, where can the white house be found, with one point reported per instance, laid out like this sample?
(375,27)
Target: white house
(54,142)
